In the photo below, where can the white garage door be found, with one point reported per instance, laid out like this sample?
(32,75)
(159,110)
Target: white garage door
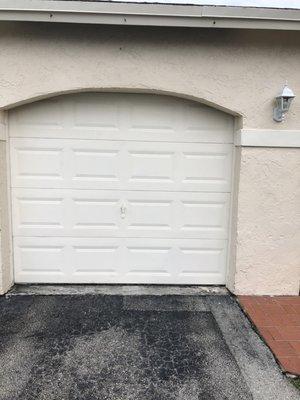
(120,188)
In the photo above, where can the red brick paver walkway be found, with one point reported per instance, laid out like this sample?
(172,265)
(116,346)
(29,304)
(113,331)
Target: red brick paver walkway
(278,321)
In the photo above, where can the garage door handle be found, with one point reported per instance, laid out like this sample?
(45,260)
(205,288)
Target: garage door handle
(123,211)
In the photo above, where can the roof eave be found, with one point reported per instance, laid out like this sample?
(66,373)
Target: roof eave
(149,14)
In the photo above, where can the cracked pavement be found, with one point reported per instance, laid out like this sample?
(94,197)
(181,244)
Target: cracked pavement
(122,347)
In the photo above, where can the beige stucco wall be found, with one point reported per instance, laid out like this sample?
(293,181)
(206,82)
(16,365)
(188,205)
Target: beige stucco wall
(268,227)
(238,71)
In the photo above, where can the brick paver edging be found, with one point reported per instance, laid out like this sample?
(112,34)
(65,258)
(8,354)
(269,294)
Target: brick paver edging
(277,319)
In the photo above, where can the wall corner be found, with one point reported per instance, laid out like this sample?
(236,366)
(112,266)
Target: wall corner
(6,271)
(232,248)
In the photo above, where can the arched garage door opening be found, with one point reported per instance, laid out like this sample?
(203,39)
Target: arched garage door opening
(120,188)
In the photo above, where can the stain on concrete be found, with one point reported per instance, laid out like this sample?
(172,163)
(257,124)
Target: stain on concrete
(95,347)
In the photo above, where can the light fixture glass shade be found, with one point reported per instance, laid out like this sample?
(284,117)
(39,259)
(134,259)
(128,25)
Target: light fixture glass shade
(283,102)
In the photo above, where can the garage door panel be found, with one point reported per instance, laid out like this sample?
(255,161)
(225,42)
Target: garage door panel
(48,113)
(37,162)
(34,258)
(126,260)
(103,113)
(38,212)
(94,165)
(111,117)
(199,167)
(120,165)
(63,212)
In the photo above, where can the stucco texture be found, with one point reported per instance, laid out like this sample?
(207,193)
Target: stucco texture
(268,222)
(237,71)
(240,71)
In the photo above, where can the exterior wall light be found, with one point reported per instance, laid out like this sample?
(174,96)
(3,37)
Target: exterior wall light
(283,102)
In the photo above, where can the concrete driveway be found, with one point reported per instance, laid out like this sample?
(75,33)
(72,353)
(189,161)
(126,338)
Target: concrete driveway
(97,346)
